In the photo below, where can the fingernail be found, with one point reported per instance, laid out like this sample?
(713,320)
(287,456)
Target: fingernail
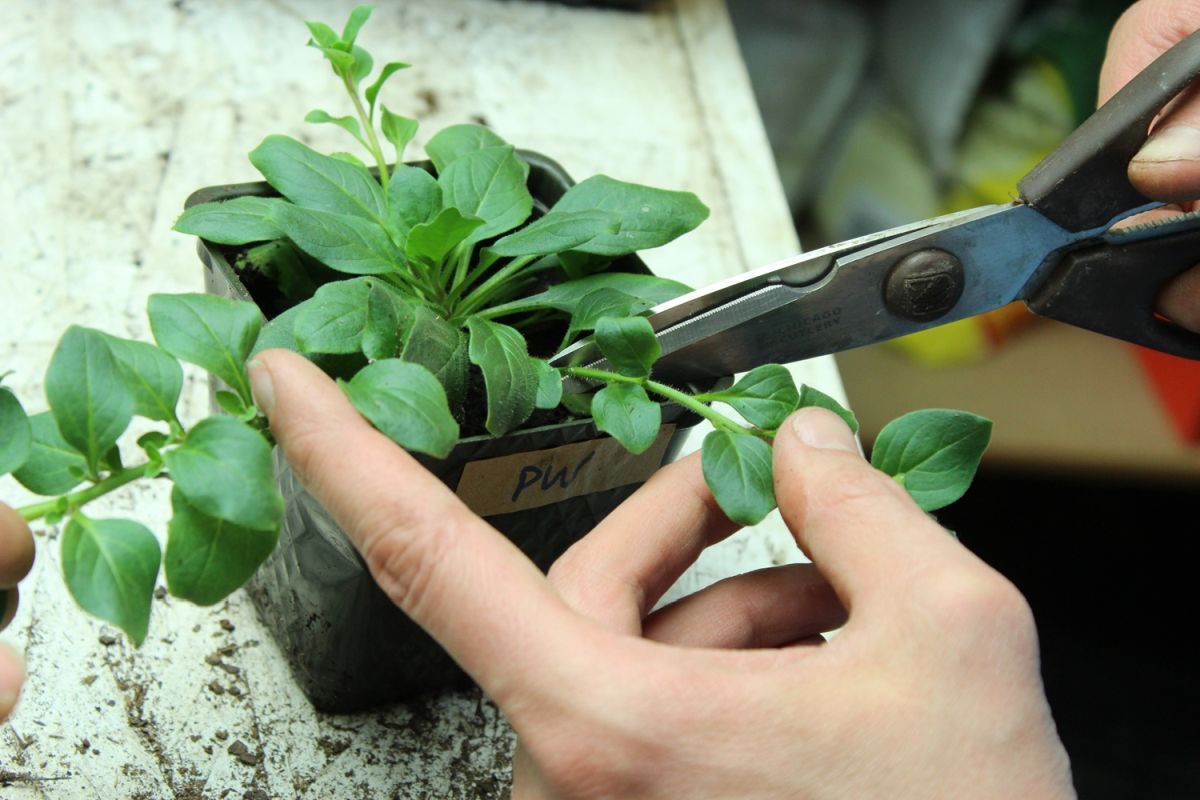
(1178,142)
(261,387)
(824,430)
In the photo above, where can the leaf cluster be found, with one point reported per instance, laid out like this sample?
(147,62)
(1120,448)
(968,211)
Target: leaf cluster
(227,509)
(442,264)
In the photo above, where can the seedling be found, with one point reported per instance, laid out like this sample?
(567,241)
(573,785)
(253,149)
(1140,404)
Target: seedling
(403,281)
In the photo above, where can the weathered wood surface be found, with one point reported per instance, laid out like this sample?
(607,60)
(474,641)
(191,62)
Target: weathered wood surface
(111,113)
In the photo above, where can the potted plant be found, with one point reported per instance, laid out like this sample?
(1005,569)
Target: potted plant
(434,292)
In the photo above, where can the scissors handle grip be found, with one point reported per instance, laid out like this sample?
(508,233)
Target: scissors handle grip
(1083,183)
(1113,289)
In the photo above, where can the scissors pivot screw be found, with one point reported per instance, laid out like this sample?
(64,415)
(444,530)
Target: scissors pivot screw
(924,285)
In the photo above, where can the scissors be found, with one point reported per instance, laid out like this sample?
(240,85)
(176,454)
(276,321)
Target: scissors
(1055,247)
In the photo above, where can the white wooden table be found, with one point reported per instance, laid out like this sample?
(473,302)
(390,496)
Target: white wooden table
(111,113)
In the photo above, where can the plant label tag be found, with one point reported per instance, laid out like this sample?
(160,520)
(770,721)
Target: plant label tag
(541,477)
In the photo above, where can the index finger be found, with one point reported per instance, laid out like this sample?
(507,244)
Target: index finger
(453,574)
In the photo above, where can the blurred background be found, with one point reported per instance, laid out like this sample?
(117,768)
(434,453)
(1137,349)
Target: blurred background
(882,112)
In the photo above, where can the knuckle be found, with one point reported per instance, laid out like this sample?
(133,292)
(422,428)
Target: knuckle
(566,571)
(613,742)
(404,555)
(307,450)
(592,763)
(970,603)
(579,770)
(851,482)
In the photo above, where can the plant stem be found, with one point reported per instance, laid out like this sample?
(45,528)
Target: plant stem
(369,125)
(477,297)
(686,400)
(77,500)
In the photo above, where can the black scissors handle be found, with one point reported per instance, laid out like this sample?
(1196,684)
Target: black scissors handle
(1113,289)
(1084,183)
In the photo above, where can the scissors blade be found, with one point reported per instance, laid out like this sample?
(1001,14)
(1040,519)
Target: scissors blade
(722,301)
(1000,252)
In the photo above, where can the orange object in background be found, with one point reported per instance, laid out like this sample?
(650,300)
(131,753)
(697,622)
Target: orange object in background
(1176,381)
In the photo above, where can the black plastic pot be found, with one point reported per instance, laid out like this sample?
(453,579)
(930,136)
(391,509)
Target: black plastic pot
(348,645)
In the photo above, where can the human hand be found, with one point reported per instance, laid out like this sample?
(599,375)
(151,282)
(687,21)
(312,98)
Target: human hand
(930,690)
(1168,166)
(16,559)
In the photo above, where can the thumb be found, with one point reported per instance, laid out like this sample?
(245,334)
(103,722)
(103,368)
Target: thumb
(1168,166)
(857,524)
(452,573)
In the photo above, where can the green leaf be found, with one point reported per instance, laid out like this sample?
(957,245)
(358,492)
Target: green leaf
(567,295)
(110,566)
(429,242)
(440,347)
(815,397)
(603,303)
(508,374)
(626,412)
(152,442)
(350,158)
(550,384)
(207,559)
(649,217)
(406,403)
(358,18)
(333,319)
(322,34)
(238,221)
(279,332)
(342,242)
(388,70)
(16,434)
(153,377)
(90,402)
(489,184)
(451,143)
(398,130)
(361,64)
(341,60)
(347,123)
(629,344)
(580,405)
(385,313)
(414,197)
(932,453)
(737,468)
(224,469)
(319,182)
(53,467)
(764,396)
(576,265)
(230,403)
(211,332)
(555,232)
